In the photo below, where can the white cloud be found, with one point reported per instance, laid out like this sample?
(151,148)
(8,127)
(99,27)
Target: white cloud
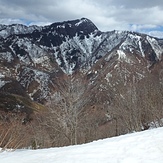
(11,21)
(142,27)
(39,23)
(158,34)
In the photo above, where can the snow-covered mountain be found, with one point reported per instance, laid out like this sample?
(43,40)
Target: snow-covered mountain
(33,60)
(110,82)
(76,44)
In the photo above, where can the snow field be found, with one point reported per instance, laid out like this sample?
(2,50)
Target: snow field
(141,147)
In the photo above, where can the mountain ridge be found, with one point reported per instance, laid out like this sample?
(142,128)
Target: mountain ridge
(66,47)
(90,84)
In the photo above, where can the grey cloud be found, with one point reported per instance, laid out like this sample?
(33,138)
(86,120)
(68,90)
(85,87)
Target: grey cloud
(138,3)
(37,10)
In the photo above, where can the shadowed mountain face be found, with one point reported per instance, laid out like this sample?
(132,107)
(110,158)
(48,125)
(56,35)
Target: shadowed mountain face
(34,61)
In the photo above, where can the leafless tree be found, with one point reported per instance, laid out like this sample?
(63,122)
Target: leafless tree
(65,108)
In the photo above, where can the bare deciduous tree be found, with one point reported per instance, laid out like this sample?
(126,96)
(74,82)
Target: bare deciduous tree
(65,108)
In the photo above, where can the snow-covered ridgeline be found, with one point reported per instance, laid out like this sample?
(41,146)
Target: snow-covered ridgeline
(7,30)
(87,45)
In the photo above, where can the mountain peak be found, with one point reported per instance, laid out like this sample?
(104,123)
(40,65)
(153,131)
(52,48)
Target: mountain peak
(86,21)
(75,26)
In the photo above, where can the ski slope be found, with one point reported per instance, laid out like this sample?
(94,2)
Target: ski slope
(141,147)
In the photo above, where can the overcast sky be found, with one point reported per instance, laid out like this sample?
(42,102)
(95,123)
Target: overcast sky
(135,15)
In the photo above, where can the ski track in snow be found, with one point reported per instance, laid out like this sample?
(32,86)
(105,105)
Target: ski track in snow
(141,147)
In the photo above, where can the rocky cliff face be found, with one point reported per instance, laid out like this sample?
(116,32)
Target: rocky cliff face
(34,59)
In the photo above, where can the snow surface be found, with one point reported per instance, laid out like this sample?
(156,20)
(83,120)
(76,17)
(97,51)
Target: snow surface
(141,147)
